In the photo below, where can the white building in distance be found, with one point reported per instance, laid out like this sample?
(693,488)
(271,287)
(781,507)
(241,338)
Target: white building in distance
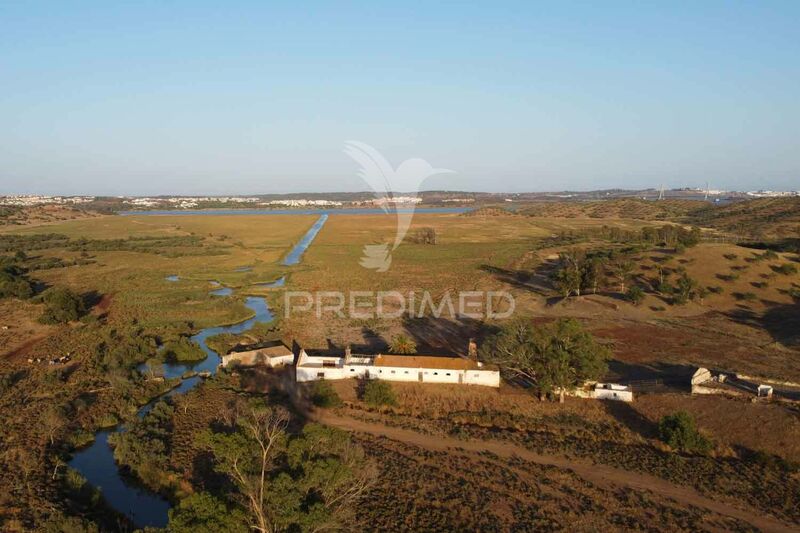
(408,368)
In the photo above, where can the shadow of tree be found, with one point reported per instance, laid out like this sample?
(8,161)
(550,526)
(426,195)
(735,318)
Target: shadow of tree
(628,416)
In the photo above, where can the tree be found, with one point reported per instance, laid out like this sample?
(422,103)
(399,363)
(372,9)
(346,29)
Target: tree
(622,270)
(203,513)
(53,419)
(378,393)
(568,276)
(307,482)
(424,236)
(592,272)
(685,289)
(402,344)
(555,357)
(679,431)
(61,306)
(635,295)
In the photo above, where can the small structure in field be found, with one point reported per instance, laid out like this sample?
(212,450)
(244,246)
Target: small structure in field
(272,356)
(408,368)
(613,391)
(764,391)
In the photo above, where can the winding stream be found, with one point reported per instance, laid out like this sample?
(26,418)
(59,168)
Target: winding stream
(96,462)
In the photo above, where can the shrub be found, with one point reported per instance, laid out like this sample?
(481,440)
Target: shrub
(716,289)
(745,296)
(323,395)
(786,269)
(183,350)
(680,433)
(61,306)
(378,393)
(402,344)
(730,257)
(635,295)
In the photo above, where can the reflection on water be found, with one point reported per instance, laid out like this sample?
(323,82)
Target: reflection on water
(297,252)
(172,278)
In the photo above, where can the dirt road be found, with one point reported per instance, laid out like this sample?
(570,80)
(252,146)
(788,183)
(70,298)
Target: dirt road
(601,475)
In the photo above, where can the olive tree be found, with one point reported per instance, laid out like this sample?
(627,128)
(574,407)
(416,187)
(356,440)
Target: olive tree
(555,357)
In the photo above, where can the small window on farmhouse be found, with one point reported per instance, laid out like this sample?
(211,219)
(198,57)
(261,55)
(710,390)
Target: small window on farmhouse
(448,373)
(321,375)
(329,363)
(435,373)
(352,370)
(406,371)
(392,371)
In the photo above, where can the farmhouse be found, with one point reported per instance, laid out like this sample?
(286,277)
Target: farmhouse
(410,368)
(271,356)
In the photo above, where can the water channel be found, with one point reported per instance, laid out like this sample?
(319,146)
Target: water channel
(96,462)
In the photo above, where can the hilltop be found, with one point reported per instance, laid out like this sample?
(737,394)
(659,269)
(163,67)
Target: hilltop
(763,218)
(622,208)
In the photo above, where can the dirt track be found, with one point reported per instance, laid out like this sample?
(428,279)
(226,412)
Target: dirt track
(601,475)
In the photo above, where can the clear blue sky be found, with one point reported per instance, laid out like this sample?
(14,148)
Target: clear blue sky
(254,97)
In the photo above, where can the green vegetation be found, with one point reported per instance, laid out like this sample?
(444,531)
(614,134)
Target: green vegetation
(787,269)
(61,306)
(323,395)
(203,513)
(402,344)
(377,393)
(678,430)
(635,295)
(13,282)
(305,482)
(183,350)
(554,357)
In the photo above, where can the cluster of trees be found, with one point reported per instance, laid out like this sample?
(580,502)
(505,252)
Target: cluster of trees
(41,241)
(183,350)
(145,446)
(579,271)
(283,482)
(61,305)
(551,358)
(13,282)
(669,235)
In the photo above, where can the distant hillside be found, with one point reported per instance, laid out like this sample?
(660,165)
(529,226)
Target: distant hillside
(622,208)
(763,218)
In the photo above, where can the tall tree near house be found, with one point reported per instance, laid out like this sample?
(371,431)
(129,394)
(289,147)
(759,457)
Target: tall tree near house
(622,270)
(402,344)
(555,357)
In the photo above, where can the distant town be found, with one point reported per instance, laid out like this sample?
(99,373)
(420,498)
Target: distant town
(365,199)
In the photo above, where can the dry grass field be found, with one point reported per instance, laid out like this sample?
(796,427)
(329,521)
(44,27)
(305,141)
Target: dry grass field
(747,323)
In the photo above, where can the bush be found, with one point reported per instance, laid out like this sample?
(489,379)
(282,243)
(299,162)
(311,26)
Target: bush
(61,306)
(745,296)
(680,433)
(402,344)
(378,393)
(183,350)
(716,289)
(730,257)
(635,295)
(323,395)
(786,269)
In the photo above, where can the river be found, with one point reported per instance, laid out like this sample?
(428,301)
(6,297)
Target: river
(96,462)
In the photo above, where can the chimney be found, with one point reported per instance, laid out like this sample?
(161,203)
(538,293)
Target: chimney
(347,354)
(472,350)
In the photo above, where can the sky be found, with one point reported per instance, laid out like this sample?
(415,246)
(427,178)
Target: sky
(193,97)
